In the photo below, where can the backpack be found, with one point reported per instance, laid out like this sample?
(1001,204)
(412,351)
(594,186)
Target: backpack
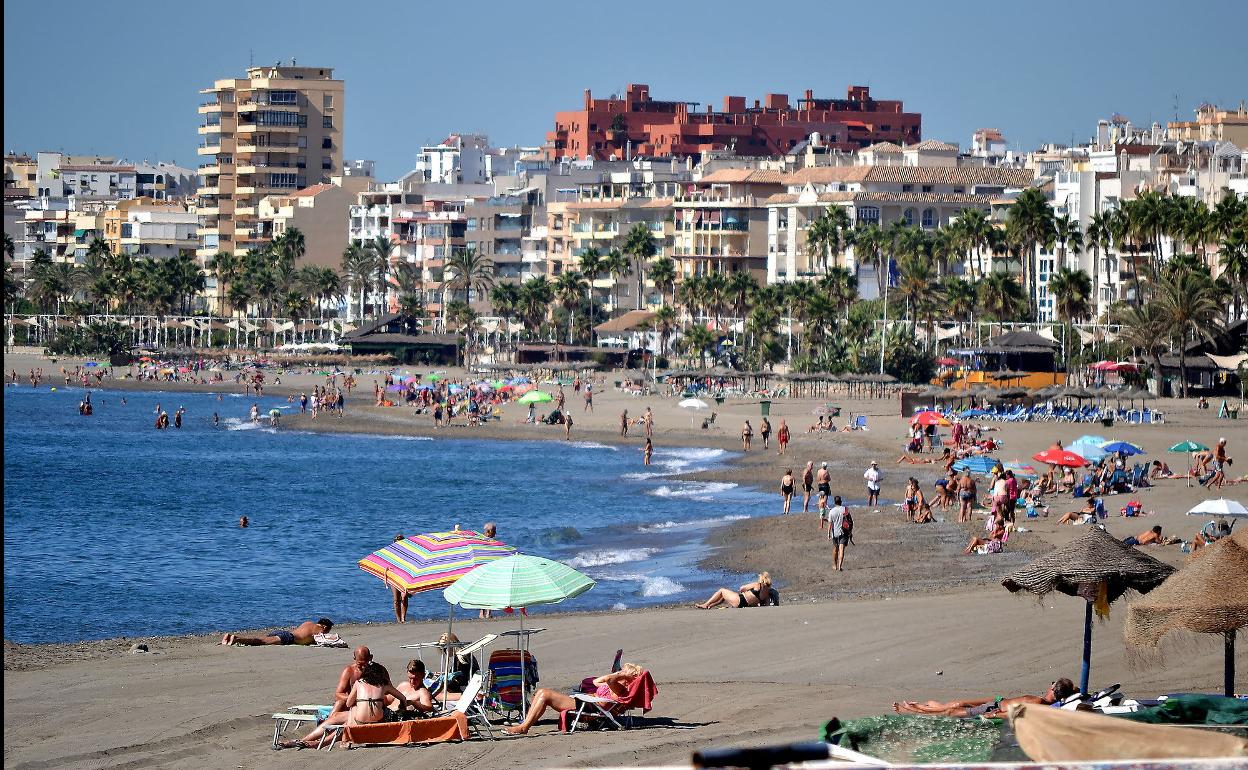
(847,524)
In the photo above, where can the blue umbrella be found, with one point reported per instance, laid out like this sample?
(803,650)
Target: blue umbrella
(424,387)
(91,363)
(976,464)
(1090,452)
(1089,439)
(456,389)
(1125,447)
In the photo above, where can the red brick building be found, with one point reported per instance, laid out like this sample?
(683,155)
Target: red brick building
(603,128)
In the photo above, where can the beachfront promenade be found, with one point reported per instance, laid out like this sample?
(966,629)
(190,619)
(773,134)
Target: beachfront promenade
(909,618)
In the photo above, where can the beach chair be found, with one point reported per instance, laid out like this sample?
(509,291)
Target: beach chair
(860,422)
(587,684)
(310,715)
(471,705)
(505,694)
(604,711)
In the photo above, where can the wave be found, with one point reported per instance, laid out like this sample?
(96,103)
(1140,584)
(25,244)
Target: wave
(593,445)
(603,558)
(558,536)
(619,606)
(678,461)
(393,437)
(666,525)
(234,423)
(693,490)
(652,586)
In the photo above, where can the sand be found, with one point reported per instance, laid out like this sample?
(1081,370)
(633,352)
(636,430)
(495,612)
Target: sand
(909,618)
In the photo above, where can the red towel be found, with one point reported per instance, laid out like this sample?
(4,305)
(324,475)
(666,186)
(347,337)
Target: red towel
(640,693)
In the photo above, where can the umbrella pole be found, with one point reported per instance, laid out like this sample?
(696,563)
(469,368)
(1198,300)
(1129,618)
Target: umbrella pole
(446,654)
(524,647)
(1229,667)
(1087,649)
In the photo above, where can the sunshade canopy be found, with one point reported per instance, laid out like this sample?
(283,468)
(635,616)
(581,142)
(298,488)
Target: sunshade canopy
(1082,565)
(434,560)
(518,581)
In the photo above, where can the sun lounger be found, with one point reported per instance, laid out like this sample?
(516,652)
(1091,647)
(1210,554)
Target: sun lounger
(472,707)
(301,715)
(640,695)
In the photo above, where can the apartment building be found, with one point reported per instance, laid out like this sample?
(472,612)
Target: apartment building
(1212,123)
(20,174)
(720,222)
(165,181)
(923,196)
(151,229)
(274,131)
(495,228)
(63,233)
(638,126)
(320,212)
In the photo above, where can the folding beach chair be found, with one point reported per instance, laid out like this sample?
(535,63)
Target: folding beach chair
(471,705)
(860,422)
(310,715)
(618,712)
(507,675)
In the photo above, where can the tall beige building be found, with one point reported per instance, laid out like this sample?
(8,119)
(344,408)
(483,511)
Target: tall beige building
(275,131)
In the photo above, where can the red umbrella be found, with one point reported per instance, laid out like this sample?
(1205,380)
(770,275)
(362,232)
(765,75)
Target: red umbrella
(947,362)
(1060,457)
(930,418)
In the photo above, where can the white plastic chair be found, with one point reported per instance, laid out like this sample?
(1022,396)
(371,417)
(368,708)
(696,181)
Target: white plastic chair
(469,704)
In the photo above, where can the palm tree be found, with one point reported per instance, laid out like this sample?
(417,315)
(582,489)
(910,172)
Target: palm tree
(868,247)
(800,295)
(698,339)
(641,245)
(357,266)
(1068,236)
(691,295)
(1190,306)
(1072,292)
(591,266)
(1146,329)
(663,275)
(916,283)
(535,296)
(381,246)
(820,234)
(960,298)
(1001,297)
(842,233)
(975,233)
(1032,218)
(664,323)
(715,292)
(741,286)
(1098,239)
(1234,259)
(468,271)
(616,265)
(570,289)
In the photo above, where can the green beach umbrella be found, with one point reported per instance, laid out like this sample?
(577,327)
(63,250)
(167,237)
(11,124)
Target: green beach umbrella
(517,581)
(536,397)
(1188,446)
(434,377)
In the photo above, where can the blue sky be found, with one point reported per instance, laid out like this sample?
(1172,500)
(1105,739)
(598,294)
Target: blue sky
(123,78)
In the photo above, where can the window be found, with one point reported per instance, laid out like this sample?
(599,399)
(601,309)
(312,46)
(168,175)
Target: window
(327,163)
(929,217)
(328,101)
(283,97)
(326,143)
(301,162)
(302,141)
(869,214)
(327,122)
(927,188)
(907,188)
(472,223)
(908,215)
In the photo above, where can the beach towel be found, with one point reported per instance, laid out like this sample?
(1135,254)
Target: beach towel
(452,727)
(329,640)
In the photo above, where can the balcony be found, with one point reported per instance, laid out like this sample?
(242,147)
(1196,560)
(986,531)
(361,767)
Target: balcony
(252,128)
(206,107)
(251,105)
(249,145)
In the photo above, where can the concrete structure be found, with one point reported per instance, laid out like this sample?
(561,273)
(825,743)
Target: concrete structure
(721,222)
(1212,124)
(320,212)
(277,130)
(638,126)
(988,143)
(165,181)
(151,229)
(20,173)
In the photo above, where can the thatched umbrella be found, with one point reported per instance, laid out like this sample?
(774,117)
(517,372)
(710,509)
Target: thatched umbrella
(1208,596)
(1097,567)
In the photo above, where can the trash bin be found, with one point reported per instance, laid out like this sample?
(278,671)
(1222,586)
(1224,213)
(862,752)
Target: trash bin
(766,407)
(1234,413)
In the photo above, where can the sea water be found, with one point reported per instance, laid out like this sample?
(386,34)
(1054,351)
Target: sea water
(113,528)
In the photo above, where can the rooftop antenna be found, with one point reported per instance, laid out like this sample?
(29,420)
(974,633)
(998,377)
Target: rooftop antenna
(1176,107)
(251,57)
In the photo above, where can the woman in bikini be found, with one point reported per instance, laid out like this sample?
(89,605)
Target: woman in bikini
(613,686)
(751,595)
(366,705)
(786,488)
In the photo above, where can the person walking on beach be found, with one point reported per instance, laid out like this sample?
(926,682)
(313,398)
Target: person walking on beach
(966,497)
(559,398)
(255,413)
(765,430)
(589,397)
(872,476)
(648,451)
(840,528)
(808,484)
(648,420)
(624,423)
(747,433)
(786,489)
(567,427)
(782,436)
(303,403)
(823,481)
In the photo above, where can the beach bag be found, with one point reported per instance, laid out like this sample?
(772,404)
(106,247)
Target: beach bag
(847,524)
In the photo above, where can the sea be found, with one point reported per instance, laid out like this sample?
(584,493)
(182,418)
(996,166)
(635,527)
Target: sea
(113,528)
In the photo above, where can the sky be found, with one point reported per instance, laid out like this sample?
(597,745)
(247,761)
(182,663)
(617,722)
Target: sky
(123,78)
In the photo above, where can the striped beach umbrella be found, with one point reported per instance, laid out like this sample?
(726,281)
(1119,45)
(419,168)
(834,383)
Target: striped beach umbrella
(434,560)
(976,464)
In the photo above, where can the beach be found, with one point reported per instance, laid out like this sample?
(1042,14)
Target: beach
(909,618)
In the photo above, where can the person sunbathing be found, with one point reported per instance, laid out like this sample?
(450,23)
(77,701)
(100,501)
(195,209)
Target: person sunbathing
(1211,533)
(1160,471)
(614,686)
(304,634)
(756,594)
(366,705)
(985,707)
(1151,537)
(1081,516)
(995,541)
(925,515)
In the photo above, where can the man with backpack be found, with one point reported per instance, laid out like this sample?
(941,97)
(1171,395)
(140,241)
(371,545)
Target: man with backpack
(840,531)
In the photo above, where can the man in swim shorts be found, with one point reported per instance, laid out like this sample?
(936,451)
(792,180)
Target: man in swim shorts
(986,707)
(304,634)
(823,482)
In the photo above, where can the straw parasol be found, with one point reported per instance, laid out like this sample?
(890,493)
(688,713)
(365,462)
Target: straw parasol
(1208,596)
(1096,567)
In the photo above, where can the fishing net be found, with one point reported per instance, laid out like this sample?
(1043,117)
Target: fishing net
(905,739)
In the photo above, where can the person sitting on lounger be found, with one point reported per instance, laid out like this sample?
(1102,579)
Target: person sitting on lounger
(462,668)
(986,707)
(366,705)
(995,542)
(756,594)
(614,686)
(418,696)
(304,634)
(1160,471)
(1211,533)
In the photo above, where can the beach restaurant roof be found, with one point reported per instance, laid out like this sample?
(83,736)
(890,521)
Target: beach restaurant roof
(633,320)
